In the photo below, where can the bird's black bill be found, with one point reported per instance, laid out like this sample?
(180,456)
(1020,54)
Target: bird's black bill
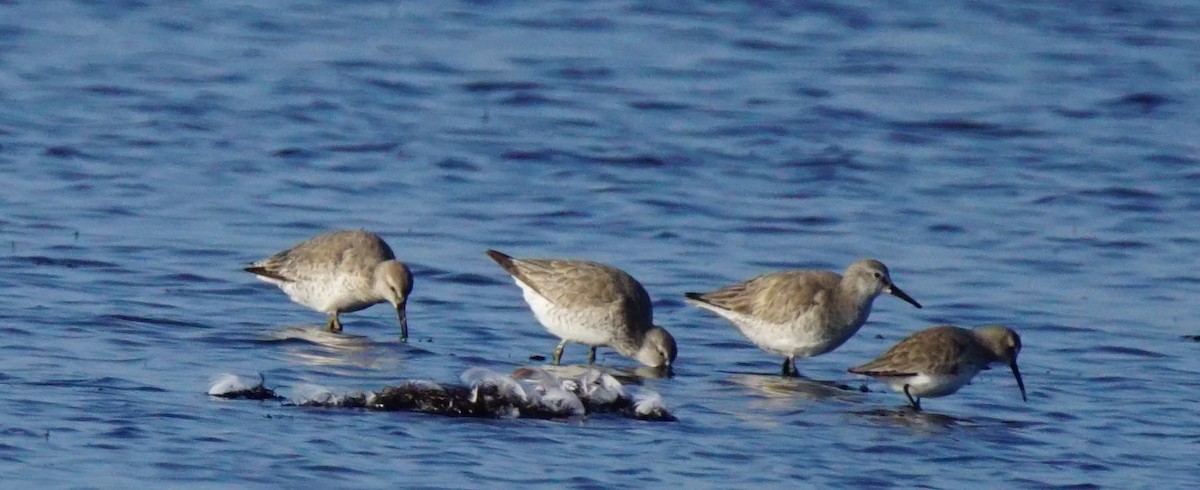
(403,322)
(665,371)
(1020,383)
(895,291)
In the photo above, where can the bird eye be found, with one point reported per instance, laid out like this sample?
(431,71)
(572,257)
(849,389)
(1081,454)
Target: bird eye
(877,275)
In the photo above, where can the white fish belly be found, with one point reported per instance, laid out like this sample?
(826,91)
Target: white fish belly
(590,326)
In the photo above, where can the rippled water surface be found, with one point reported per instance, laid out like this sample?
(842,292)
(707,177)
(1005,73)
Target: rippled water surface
(1031,163)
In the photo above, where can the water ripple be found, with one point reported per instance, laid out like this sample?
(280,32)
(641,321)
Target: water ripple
(1011,162)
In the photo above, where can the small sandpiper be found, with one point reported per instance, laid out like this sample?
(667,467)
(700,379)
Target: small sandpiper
(802,313)
(592,304)
(339,272)
(938,361)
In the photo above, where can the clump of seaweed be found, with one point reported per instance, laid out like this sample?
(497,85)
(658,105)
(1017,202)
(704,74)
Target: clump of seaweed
(527,393)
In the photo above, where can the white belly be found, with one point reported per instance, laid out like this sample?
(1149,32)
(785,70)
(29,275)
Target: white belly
(337,294)
(931,385)
(806,336)
(590,326)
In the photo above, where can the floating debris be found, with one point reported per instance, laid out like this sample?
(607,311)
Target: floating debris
(527,393)
(234,387)
(649,405)
(548,396)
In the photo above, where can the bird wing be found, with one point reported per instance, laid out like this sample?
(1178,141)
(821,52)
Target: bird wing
(776,297)
(936,350)
(324,254)
(579,284)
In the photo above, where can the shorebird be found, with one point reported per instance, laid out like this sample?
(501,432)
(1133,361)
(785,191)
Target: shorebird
(939,360)
(592,304)
(339,272)
(802,313)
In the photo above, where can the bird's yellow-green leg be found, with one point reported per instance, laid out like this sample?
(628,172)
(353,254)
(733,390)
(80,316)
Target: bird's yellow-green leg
(558,352)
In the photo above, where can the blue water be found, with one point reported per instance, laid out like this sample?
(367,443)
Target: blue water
(1030,163)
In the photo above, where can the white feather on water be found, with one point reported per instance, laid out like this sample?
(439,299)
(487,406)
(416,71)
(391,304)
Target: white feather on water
(601,388)
(312,393)
(507,387)
(547,392)
(648,403)
(227,383)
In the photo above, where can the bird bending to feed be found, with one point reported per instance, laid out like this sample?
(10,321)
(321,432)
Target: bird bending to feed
(938,361)
(592,304)
(339,272)
(802,313)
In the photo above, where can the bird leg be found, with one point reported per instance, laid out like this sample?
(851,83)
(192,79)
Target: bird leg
(592,355)
(558,352)
(789,367)
(334,324)
(916,402)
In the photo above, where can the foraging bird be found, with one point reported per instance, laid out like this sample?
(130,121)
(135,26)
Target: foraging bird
(339,272)
(802,313)
(592,304)
(938,361)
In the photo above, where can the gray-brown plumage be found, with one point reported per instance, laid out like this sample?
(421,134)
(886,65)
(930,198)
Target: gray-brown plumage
(338,272)
(592,304)
(939,360)
(802,313)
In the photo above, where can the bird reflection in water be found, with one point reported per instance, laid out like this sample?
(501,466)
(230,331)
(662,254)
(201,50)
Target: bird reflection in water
(315,345)
(915,420)
(773,387)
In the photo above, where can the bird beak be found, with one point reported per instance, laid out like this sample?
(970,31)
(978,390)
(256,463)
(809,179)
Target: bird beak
(403,321)
(1017,374)
(895,291)
(663,371)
